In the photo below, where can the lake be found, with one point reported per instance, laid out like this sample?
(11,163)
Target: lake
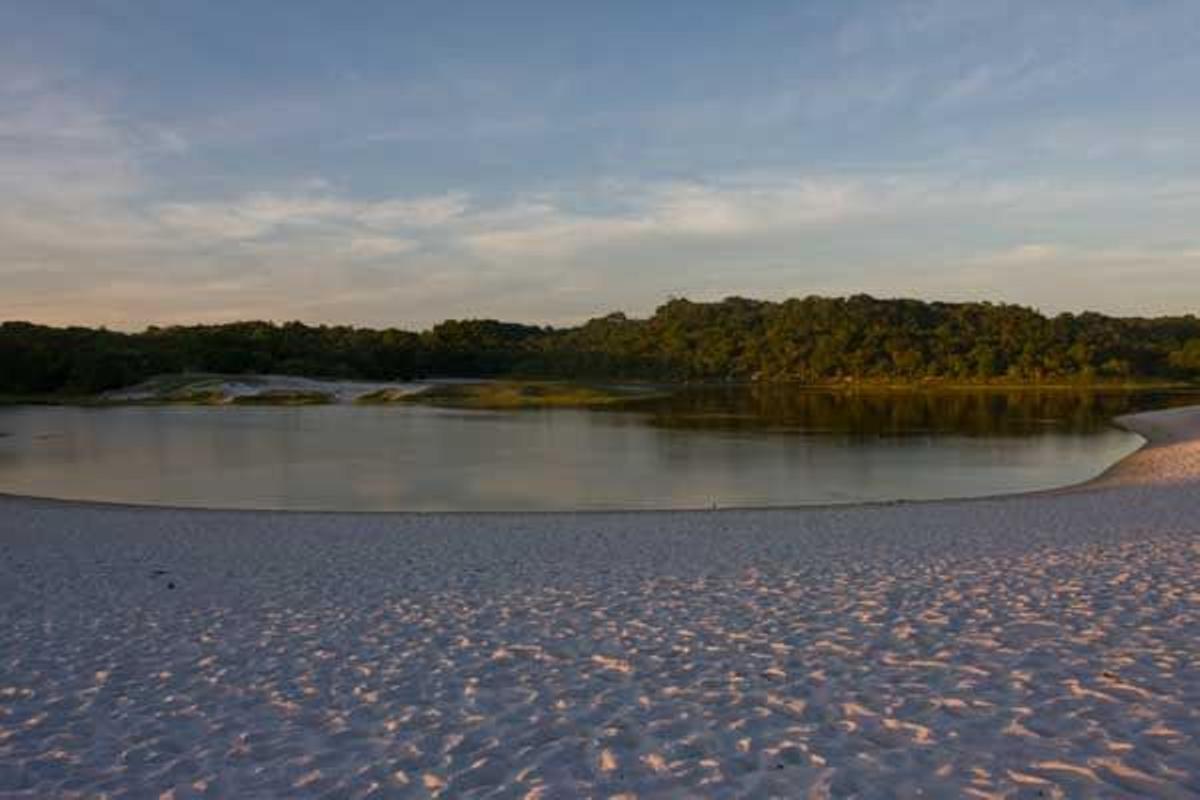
(743,446)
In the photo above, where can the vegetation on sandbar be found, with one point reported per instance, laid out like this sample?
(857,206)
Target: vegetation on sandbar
(499,395)
(215,390)
(282,397)
(384,397)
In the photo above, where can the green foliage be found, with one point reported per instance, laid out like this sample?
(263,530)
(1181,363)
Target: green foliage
(524,394)
(283,397)
(1187,358)
(811,340)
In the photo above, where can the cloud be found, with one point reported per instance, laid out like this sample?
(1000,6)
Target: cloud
(1135,279)
(57,147)
(259,214)
(556,256)
(211,221)
(90,234)
(421,212)
(254,215)
(1136,263)
(664,211)
(375,246)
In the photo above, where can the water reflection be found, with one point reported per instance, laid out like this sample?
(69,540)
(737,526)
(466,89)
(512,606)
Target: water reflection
(747,446)
(1015,412)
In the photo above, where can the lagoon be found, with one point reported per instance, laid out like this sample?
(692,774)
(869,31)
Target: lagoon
(700,448)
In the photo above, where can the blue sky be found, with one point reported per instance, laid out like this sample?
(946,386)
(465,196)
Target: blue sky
(402,162)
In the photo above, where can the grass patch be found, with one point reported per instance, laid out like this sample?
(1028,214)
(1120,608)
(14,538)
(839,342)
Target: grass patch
(384,397)
(283,397)
(501,395)
(191,397)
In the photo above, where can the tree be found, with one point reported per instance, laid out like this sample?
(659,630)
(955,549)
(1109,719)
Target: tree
(810,339)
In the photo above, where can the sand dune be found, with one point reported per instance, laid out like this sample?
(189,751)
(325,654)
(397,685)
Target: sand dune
(230,388)
(1037,646)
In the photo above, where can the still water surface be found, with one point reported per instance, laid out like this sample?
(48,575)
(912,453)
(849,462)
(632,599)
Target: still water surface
(736,447)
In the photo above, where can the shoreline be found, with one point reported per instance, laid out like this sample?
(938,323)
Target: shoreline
(1006,646)
(1169,435)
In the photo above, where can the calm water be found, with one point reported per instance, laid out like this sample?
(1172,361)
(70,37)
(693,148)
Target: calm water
(736,447)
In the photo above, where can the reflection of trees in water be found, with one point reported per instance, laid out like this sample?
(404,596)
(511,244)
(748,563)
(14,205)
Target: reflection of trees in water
(864,413)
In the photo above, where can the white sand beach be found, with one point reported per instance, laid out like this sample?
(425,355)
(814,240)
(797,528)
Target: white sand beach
(1045,645)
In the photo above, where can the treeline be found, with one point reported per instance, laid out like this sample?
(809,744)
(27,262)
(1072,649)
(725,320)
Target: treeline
(812,340)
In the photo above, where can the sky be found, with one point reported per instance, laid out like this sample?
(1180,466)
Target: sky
(398,163)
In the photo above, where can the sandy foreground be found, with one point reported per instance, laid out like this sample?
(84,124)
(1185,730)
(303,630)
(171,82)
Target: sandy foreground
(1037,646)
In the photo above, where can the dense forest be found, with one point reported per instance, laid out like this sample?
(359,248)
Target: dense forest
(811,340)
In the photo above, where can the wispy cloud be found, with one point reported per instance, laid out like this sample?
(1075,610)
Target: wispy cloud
(421,212)
(272,213)
(376,246)
(670,211)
